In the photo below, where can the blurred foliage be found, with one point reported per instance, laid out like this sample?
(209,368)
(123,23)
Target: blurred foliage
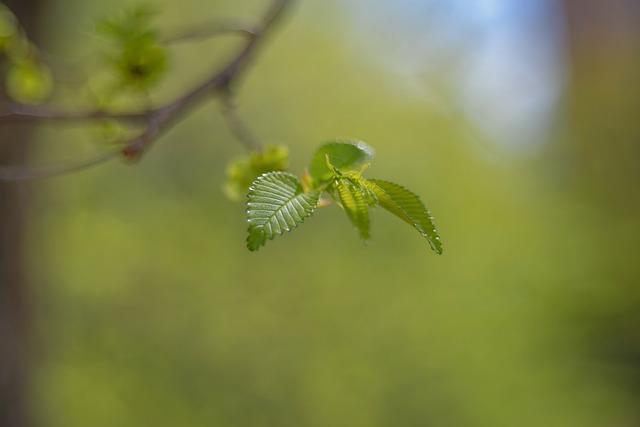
(27,78)
(139,59)
(151,312)
(242,171)
(29,82)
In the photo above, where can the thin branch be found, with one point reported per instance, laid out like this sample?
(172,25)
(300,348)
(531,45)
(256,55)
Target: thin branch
(211,30)
(161,119)
(26,113)
(158,120)
(19,172)
(237,125)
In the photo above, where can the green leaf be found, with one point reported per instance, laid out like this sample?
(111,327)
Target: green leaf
(9,28)
(141,64)
(29,82)
(406,206)
(276,203)
(243,171)
(139,59)
(346,156)
(127,24)
(355,201)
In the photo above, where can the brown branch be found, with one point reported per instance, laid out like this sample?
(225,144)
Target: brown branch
(20,113)
(157,120)
(161,119)
(237,125)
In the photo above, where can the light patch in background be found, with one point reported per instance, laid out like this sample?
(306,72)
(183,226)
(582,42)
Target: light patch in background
(501,63)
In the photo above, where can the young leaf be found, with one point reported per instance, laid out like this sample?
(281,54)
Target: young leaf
(346,156)
(406,206)
(241,172)
(276,203)
(9,28)
(140,58)
(353,199)
(29,82)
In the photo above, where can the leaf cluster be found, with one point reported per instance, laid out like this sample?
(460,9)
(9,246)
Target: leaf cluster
(279,201)
(241,172)
(138,57)
(27,78)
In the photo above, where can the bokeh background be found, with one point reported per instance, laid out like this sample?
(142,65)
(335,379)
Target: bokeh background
(516,121)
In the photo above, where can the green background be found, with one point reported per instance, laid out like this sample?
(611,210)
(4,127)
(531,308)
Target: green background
(150,311)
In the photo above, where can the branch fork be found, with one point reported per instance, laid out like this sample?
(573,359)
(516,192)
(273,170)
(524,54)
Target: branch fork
(157,120)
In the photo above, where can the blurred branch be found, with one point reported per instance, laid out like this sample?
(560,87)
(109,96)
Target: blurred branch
(27,113)
(160,119)
(212,30)
(19,172)
(237,125)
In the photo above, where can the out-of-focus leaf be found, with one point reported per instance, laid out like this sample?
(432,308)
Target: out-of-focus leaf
(126,25)
(276,203)
(8,27)
(29,82)
(140,58)
(141,65)
(243,171)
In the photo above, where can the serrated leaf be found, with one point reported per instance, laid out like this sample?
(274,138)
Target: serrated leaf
(276,203)
(406,206)
(346,156)
(127,24)
(353,199)
(369,196)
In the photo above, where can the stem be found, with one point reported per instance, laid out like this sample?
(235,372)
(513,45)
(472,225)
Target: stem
(238,126)
(158,120)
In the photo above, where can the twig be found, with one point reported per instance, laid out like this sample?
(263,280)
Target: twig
(237,125)
(26,113)
(211,30)
(160,119)
(18,173)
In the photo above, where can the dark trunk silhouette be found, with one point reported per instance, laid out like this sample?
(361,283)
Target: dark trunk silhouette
(14,313)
